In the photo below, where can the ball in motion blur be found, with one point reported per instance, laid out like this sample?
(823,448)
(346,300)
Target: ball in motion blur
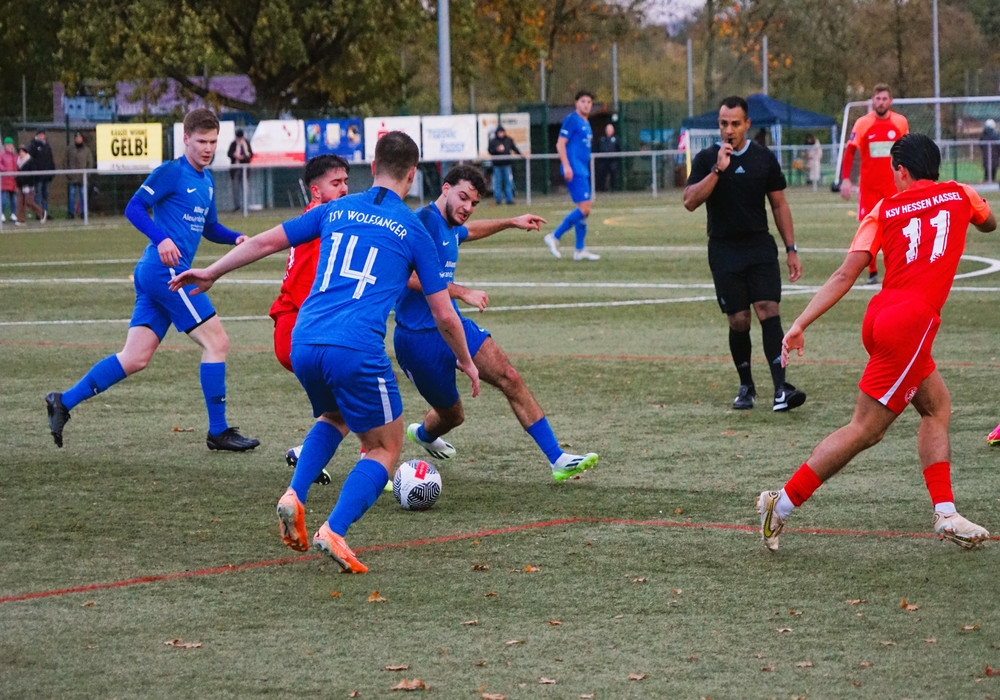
(417,484)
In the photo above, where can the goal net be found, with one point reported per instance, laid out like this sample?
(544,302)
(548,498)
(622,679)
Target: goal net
(956,123)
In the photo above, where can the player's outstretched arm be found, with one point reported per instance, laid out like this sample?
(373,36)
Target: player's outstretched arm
(832,291)
(450,327)
(487,227)
(251,250)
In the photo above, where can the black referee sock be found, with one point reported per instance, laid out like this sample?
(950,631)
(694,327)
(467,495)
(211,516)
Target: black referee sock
(739,347)
(771,331)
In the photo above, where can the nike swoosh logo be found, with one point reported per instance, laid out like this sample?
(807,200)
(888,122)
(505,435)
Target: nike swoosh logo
(444,243)
(192,189)
(780,399)
(766,528)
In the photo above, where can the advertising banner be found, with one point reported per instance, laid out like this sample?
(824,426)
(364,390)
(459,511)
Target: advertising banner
(342,137)
(450,137)
(279,141)
(516,124)
(377,127)
(129,146)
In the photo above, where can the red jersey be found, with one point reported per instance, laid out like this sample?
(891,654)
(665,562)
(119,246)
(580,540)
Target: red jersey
(872,138)
(922,236)
(300,272)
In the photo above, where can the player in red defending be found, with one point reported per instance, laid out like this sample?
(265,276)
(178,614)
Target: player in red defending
(921,232)
(872,136)
(326,178)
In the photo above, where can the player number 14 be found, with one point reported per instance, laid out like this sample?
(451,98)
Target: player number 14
(364,276)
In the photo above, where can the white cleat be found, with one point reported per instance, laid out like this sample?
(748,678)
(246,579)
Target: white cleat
(957,529)
(438,449)
(553,245)
(585,254)
(770,524)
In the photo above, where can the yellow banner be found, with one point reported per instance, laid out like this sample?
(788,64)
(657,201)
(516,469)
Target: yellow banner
(129,146)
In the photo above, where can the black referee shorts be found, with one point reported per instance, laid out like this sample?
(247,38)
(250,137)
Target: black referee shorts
(744,274)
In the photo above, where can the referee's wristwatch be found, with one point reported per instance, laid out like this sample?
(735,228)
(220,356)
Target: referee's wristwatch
(791,248)
(717,170)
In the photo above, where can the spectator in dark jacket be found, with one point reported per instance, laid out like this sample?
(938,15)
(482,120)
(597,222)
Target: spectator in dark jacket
(41,153)
(78,157)
(26,187)
(502,145)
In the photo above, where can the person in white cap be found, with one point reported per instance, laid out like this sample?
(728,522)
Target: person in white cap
(991,150)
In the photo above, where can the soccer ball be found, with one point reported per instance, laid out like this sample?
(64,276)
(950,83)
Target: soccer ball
(417,484)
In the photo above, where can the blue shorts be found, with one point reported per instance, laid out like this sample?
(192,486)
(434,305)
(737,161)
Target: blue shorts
(430,364)
(359,384)
(579,188)
(157,307)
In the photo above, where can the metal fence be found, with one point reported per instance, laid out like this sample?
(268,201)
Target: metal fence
(655,172)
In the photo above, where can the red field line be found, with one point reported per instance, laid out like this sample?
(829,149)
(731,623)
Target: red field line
(229,568)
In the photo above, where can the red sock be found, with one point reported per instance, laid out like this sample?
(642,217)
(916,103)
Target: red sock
(938,479)
(802,484)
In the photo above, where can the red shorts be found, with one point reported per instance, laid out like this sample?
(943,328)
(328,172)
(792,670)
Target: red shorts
(898,333)
(284,323)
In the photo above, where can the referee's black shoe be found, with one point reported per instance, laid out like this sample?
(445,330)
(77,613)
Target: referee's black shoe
(745,397)
(231,441)
(788,397)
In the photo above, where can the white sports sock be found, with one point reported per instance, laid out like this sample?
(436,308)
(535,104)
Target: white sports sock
(945,508)
(784,506)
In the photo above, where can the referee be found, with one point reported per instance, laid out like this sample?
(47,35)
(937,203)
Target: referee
(732,179)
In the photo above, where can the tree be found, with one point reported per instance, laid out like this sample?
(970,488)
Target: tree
(300,53)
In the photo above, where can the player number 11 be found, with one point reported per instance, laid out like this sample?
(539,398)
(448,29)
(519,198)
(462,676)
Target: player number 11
(940,222)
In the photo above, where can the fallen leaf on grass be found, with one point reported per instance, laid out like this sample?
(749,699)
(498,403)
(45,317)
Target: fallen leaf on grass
(639,580)
(480,567)
(493,696)
(588,696)
(376,598)
(529,569)
(397,667)
(784,629)
(930,640)
(638,676)
(769,668)
(990,671)
(88,604)
(907,606)
(354,694)
(677,511)
(546,681)
(183,645)
(492,594)
(888,643)
(857,601)
(407,684)
(471,622)
(866,664)
(513,642)
(479,663)
(804,664)
(969,628)
(677,591)
(334,594)
(555,623)
(178,429)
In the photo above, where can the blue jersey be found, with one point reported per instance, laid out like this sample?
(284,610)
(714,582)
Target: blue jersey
(183,203)
(576,130)
(412,310)
(369,244)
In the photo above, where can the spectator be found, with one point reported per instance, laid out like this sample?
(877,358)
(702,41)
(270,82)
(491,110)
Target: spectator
(503,146)
(814,160)
(991,150)
(41,155)
(8,188)
(239,153)
(26,188)
(78,157)
(607,168)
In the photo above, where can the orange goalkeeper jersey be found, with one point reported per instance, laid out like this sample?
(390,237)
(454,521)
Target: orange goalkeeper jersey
(872,138)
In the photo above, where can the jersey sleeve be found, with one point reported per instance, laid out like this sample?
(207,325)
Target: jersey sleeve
(462,233)
(304,227)
(869,234)
(849,150)
(701,166)
(775,177)
(157,186)
(980,207)
(425,261)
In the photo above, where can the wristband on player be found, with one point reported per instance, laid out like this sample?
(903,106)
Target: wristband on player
(791,248)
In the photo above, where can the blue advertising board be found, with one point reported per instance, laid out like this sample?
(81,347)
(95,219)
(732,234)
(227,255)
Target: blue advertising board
(344,137)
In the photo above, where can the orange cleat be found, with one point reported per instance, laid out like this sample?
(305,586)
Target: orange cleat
(292,522)
(334,545)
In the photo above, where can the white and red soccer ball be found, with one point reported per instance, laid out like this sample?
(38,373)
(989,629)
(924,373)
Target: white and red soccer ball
(417,484)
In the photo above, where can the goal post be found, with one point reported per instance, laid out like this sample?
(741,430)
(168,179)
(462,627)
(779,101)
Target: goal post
(958,120)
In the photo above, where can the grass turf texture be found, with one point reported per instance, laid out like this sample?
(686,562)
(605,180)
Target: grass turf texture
(649,565)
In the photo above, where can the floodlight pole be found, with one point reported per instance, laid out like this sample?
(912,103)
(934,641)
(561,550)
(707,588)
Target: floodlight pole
(937,72)
(444,56)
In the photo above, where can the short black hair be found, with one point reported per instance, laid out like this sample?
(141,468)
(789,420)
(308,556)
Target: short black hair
(470,174)
(919,154)
(734,101)
(583,93)
(239,133)
(320,165)
(395,154)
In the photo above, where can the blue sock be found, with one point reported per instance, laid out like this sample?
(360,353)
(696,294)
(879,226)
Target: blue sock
(568,223)
(423,434)
(213,386)
(104,374)
(361,487)
(320,445)
(541,433)
(581,233)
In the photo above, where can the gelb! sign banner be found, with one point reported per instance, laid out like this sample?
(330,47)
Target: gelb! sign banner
(129,146)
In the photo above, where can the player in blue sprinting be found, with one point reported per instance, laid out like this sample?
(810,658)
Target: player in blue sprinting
(574,146)
(369,244)
(430,364)
(181,194)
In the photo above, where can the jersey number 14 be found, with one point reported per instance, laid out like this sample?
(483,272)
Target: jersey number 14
(363,276)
